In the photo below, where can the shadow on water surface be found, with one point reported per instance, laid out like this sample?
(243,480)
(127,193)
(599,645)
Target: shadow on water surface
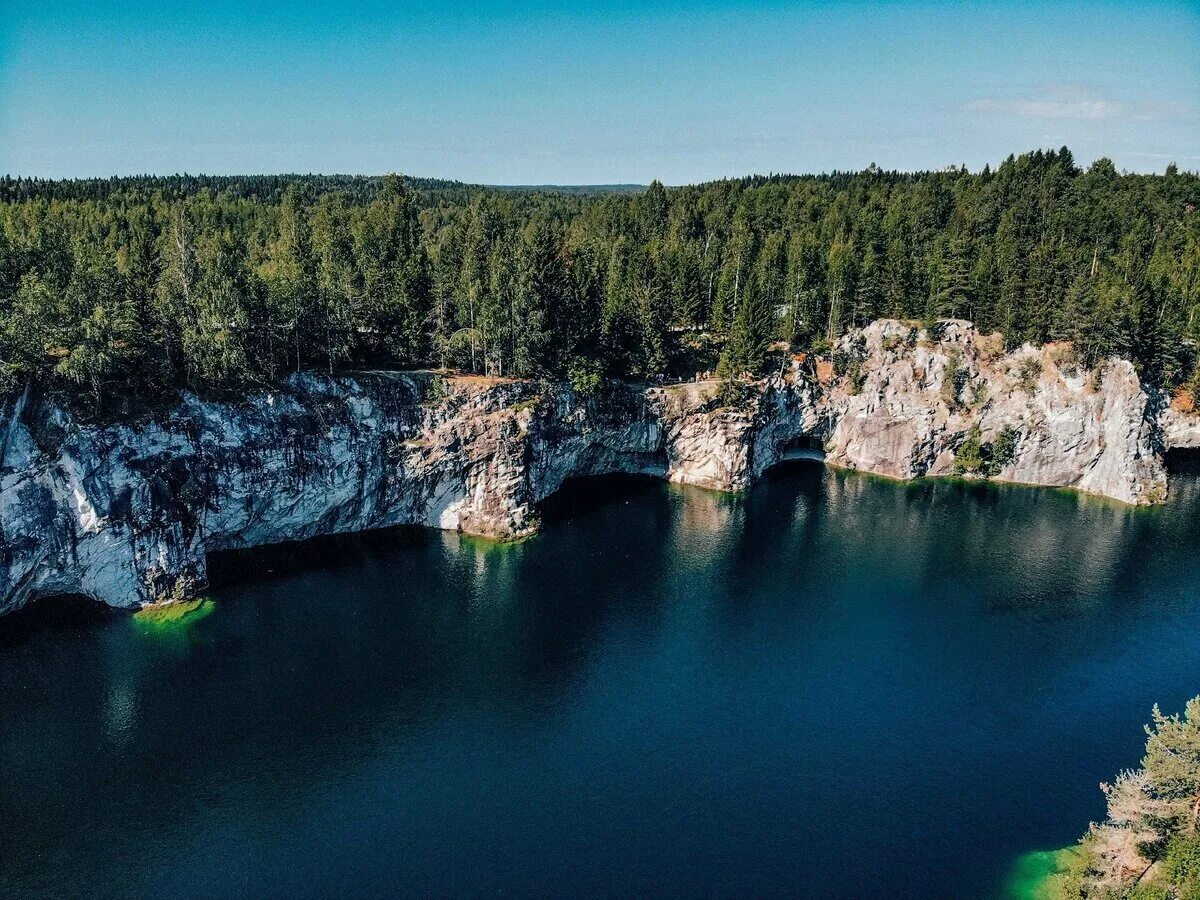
(230,567)
(321,652)
(61,614)
(585,494)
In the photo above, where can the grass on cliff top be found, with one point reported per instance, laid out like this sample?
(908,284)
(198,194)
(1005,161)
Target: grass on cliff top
(174,615)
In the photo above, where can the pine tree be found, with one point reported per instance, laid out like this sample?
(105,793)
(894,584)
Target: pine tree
(951,294)
(290,276)
(749,338)
(396,294)
(839,285)
(338,286)
(215,339)
(735,272)
(539,302)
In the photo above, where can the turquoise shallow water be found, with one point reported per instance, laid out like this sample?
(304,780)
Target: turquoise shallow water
(833,686)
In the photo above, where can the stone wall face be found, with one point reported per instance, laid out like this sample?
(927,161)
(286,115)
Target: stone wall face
(918,399)
(126,514)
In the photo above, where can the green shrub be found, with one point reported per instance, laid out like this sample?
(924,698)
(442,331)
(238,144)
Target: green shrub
(1029,370)
(1181,866)
(969,458)
(585,377)
(733,393)
(821,347)
(954,379)
(974,456)
(1004,448)
(529,403)
(436,390)
(855,377)
(9,379)
(850,363)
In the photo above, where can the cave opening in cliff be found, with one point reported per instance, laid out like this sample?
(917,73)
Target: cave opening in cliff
(53,613)
(1182,460)
(586,493)
(228,567)
(806,448)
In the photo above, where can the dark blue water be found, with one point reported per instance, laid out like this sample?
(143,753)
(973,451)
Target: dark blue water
(833,686)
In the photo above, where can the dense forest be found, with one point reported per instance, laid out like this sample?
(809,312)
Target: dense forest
(122,291)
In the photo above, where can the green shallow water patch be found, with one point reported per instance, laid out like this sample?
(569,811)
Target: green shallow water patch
(1039,875)
(479,542)
(171,616)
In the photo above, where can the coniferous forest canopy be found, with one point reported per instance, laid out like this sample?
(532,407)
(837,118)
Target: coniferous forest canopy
(122,291)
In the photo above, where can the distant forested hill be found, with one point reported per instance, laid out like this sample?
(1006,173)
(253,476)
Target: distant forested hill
(127,289)
(265,188)
(574,188)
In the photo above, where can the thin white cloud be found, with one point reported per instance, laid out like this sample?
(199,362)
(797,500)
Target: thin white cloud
(1068,102)
(1156,111)
(1053,106)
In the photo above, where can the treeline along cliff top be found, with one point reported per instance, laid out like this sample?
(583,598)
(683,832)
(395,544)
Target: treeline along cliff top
(120,292)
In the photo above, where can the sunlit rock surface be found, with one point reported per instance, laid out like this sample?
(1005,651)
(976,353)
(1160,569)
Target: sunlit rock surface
(1093,430)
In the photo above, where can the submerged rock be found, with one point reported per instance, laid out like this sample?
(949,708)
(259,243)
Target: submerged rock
(127,513)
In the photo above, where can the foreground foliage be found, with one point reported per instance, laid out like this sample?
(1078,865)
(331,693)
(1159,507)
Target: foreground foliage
(125,290)
(1149,844)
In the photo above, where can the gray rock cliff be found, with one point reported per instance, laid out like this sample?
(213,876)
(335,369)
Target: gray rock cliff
(126,513)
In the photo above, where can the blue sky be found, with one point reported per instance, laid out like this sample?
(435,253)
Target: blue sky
(590,92)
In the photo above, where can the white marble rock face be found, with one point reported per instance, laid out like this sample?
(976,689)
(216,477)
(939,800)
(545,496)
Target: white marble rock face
(126,513)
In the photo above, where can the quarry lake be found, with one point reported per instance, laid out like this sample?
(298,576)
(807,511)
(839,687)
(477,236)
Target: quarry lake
(832,686)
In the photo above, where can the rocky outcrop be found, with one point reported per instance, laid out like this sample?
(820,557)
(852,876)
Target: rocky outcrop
(1180,428)
(127,513)
(919,397)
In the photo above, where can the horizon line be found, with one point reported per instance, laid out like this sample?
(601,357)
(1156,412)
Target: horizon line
(826,173)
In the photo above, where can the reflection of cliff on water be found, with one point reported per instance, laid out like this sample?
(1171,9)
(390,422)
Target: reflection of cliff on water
(1059,551)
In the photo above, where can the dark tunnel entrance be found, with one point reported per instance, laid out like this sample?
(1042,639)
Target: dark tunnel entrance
(585,493)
